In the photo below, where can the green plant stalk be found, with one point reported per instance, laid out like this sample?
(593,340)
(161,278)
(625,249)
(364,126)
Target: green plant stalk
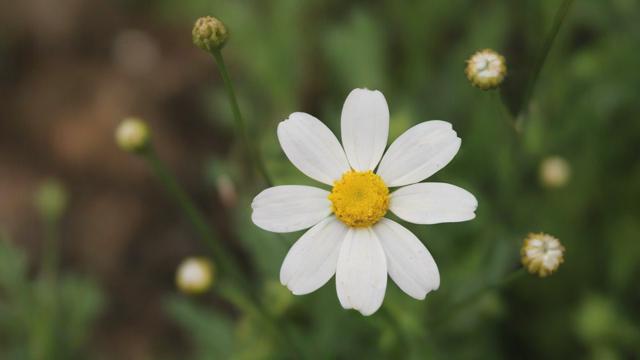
(222,257)
(558,19)
(50,256)
(282,332)
(475,295)
(42,325)
(245,298)
(514,124)
(241,128)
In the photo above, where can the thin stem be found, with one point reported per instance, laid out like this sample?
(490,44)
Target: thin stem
(515,124)
(50,255)
(475,295)
(558,19)
(194,215)
(44,322)
(241,127)
(246,296)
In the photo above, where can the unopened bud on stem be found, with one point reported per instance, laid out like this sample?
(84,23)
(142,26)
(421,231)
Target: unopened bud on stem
(542,254)
(554,172)
(486,69)
(132,135)
(209,33)
(51,199)
(195,275)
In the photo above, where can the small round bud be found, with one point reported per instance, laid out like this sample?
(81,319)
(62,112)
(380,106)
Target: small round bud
(554,172)
(132,135)
(486,69)
(51,199)
(194,275)
(209,33)
(542,254)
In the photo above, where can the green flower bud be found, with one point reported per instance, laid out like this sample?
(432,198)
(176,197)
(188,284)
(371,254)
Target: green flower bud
(132,135)
(51,199)
(209,33)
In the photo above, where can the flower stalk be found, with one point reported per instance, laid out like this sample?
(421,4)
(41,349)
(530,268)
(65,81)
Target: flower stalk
(195,217)
(559,17)
(51,201)
(210,34)
(241,128)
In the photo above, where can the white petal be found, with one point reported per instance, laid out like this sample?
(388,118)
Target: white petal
(290,208)
(433,203)
(409,263)
(361,275)
(419,153)
(365,128)
(312,148)
(312,260)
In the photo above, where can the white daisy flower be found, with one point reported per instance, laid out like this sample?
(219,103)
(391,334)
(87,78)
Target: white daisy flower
(349,236)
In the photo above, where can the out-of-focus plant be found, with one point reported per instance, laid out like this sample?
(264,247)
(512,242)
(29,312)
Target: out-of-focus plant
(45,315)
(602,327)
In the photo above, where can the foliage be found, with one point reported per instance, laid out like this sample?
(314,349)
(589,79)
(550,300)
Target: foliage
(43,318)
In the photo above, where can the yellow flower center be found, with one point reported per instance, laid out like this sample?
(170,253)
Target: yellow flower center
(359,199)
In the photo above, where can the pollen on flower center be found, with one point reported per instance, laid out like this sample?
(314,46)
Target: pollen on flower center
(359,199)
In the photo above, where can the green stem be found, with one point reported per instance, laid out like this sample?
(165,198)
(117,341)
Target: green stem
(43,324)
(246,298)
(50,251)
(475,295)
(282,333)
(558,19)
(515,124)
(241,127)
(197,219)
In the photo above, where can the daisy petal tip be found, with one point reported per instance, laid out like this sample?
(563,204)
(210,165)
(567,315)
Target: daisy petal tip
(293,286)
(420,297)
(255,219)
(441,123)
(364,90)
(368,312)
(291,117)
(286,122)
(345,305)
(284,278)
(298,292)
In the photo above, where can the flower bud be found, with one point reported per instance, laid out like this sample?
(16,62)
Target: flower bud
(486,69)
(132,135)
(554,172)
(51,199)
(194,275)
(209,33)
(542,254)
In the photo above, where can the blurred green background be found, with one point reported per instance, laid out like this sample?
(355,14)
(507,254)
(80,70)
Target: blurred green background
(70,70)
